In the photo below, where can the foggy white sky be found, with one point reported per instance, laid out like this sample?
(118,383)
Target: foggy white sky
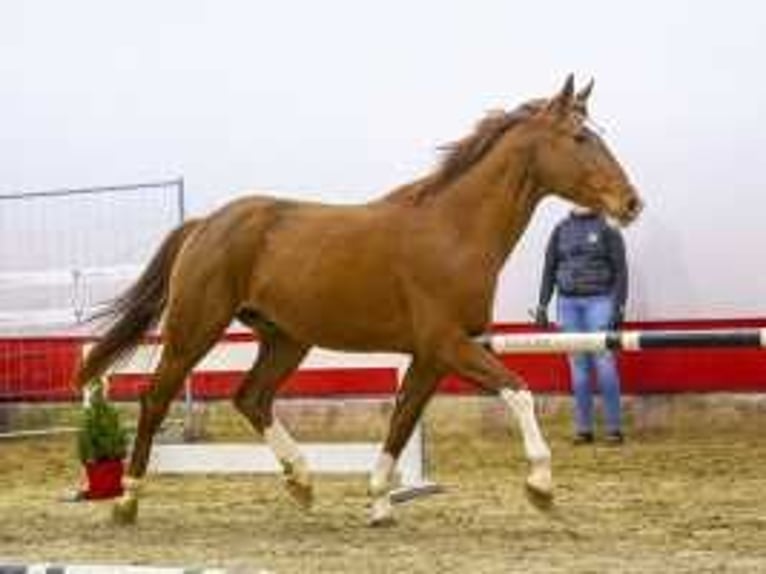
(343,99)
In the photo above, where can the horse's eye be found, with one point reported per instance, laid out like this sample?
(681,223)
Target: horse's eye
(580,137)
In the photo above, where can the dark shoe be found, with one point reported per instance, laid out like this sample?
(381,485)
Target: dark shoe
(582,438)
(614,438)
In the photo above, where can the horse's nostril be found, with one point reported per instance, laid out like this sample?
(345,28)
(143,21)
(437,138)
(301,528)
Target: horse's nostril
(633,205)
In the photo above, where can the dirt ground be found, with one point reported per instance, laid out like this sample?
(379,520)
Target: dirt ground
(683,495)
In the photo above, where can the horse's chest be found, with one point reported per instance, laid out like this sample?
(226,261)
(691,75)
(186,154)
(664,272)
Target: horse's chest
(476,314)
(467,303)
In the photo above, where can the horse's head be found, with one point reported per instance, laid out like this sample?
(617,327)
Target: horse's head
(572,161)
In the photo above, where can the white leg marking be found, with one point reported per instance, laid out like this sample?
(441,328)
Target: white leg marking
(382,511)
(296,472)
(522,405)
(380,485)
(131,488)
(380,478)
(286,450)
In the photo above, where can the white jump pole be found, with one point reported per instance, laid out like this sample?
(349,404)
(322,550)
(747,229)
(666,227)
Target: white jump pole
(622,340)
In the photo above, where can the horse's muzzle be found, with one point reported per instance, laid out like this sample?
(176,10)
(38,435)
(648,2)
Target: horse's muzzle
(631,209)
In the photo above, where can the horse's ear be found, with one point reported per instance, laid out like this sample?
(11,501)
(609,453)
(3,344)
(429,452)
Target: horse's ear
(562,102)
(581,100)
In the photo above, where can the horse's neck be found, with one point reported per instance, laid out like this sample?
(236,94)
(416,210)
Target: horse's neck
(408,193)
(491,205)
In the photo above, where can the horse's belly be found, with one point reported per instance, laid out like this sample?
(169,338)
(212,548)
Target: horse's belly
(344,328)
(339,316)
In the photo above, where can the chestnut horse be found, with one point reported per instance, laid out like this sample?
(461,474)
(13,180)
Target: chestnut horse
(412,272)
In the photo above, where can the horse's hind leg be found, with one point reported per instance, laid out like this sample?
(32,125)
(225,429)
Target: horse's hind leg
(188,337)
(278,357)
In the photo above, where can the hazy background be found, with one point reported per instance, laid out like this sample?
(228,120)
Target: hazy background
(342,100)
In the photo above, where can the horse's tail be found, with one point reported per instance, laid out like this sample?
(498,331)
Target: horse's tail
(136,311)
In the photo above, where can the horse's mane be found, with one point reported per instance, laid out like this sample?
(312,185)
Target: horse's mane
(461,155)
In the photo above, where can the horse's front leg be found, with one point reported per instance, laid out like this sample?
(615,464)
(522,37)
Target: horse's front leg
(539,483)
(474,363)
(416,389)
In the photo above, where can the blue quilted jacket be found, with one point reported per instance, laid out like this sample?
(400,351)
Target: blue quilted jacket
(585,256)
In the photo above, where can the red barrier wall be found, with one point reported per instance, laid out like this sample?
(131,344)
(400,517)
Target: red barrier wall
(40,369)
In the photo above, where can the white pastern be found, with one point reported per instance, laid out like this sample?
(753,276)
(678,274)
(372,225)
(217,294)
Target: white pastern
(131,487)
(380,478)
(380,485)
(286,450)
(522,405)
(382,511)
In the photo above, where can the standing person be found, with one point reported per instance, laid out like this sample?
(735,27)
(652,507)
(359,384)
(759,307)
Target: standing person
(585,264)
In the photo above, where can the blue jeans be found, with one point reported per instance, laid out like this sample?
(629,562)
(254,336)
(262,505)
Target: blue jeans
(582,314)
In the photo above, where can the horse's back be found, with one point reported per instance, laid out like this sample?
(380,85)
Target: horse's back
(325,273)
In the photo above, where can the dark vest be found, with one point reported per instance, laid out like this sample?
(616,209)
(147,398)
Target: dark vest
(584,266)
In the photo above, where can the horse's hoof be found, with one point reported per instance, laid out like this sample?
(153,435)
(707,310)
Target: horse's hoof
(125,511)
(540,498)
(301,493)
(381,512)
(539,485)
(382,521)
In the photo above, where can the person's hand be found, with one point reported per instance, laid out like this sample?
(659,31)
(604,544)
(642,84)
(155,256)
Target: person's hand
(618,318)
(541,316)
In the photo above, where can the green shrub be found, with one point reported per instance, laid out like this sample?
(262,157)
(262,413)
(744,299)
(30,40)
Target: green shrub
(101,435)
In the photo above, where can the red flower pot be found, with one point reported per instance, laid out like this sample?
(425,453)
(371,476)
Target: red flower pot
(104,479)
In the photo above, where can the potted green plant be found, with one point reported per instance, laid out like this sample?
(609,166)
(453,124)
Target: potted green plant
(102,444)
